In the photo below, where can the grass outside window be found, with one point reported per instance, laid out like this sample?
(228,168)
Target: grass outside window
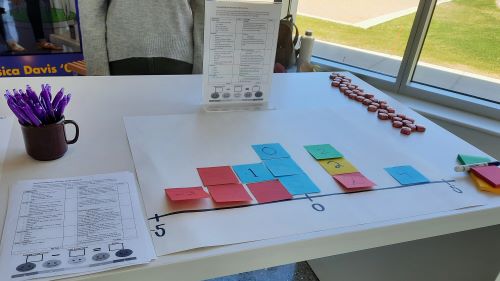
(464,35)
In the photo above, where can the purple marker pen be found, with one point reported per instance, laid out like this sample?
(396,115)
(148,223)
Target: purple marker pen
(58,98)
(23,119)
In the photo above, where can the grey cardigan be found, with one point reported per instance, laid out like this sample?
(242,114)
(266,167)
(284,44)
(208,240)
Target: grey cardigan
(120,29)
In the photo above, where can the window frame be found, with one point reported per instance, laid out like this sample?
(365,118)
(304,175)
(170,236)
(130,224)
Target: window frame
(403,84)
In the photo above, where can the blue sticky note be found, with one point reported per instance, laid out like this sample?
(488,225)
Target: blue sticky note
(270,151)
(406,175)
(249,173)
(299,184)
(283,167)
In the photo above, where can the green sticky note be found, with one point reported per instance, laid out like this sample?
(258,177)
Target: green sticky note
(471,159)
(323,151)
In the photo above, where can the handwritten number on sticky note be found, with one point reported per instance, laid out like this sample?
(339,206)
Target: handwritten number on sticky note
(268,150)
(253,173)
(337,164)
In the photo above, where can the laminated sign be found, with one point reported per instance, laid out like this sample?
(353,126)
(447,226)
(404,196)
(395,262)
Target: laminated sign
(239,50)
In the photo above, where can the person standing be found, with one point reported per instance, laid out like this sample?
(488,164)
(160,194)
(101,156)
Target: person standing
(35,18)
(126,37)
(9,28)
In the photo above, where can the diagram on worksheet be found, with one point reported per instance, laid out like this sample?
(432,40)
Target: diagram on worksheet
(219,179)
(73,226)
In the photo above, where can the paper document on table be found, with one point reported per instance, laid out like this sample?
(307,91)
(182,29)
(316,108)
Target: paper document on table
(239,51)
(5,129)
(73,226)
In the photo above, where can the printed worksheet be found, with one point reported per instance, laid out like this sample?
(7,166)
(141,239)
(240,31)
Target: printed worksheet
(239,51)
(73,226)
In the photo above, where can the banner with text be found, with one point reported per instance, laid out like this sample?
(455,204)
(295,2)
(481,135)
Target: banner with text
(38,38)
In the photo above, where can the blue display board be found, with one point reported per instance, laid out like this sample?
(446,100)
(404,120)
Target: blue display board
(24,28)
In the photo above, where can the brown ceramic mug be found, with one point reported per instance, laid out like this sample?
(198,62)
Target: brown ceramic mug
(48,142)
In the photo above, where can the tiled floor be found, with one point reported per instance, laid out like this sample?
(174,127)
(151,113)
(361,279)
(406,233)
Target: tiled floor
(290,272)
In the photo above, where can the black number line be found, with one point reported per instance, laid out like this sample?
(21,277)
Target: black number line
(306,197)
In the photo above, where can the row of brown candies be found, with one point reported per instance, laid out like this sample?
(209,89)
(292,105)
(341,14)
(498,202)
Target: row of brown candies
(383,109)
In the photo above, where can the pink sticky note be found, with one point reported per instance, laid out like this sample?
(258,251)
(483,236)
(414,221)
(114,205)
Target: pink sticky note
(491,174)
(269,191)
(229,193)
(354,181)
(186,193)
(217,175)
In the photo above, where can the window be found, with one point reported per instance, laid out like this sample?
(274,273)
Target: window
(462,49)
(363,33)
(446,51)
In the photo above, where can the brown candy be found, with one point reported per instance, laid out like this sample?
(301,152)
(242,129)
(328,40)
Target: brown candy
(335,84)
(367,102)
(376,104)
(372,108)
(401,116)
(391,115)
(407,123)
(410,119)
(405,131)
(368,96)
(396,118)
(352,87)
(343,89)
(397,124)
(420,128)
(360,98)
(383,105)
(383,111)
(390,109)
(383,116)
(352,96)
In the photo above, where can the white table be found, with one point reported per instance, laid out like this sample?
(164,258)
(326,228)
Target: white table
(99,104)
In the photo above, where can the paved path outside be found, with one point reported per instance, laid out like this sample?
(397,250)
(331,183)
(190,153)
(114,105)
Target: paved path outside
(360,13)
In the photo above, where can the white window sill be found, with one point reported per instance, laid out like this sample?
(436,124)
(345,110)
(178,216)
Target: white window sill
(451,115)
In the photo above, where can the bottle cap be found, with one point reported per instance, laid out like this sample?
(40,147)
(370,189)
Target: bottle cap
(309,33)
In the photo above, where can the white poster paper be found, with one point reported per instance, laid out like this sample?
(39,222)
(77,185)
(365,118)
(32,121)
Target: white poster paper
(239,51)
(167,151)
(73,226)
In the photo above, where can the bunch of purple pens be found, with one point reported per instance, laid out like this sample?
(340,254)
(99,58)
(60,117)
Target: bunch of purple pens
(33,110)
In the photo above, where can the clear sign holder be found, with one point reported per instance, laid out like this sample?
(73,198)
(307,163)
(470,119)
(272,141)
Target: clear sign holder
(239,53)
